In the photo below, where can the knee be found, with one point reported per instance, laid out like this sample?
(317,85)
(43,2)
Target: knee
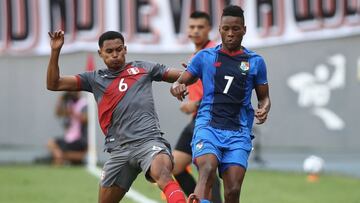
(161,173)
(207,173)
(51,143)
(207,169)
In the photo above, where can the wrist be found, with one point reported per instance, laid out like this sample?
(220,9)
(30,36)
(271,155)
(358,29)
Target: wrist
(197,104)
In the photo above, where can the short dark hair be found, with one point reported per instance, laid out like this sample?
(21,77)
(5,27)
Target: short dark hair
(233,10)
(109,35)
(200,14)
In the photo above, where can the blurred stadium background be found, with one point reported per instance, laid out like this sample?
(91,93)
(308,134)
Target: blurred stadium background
(311,48)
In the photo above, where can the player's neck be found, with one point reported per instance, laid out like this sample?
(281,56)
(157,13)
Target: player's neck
(116,69)
(232,52)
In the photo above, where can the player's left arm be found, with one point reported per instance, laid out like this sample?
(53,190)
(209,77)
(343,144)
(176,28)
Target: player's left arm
(264,103)
(262,92)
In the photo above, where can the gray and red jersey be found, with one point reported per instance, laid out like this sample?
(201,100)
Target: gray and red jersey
(125,101)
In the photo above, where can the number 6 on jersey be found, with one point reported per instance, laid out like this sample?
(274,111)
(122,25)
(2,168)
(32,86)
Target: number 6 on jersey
(122,85)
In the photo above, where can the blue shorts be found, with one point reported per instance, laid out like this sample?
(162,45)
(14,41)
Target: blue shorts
(230,147)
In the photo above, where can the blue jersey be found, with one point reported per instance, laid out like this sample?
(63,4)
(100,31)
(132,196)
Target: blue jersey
(228,81)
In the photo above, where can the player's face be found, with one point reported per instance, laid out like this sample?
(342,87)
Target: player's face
(113,53)
(232,30)
(198,30)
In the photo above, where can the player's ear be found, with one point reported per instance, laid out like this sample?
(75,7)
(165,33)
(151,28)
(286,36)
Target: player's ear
(99,52)
(244,31)
(125,50)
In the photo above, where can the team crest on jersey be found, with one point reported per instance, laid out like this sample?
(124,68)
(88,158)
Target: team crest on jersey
(244,67)
(133,71)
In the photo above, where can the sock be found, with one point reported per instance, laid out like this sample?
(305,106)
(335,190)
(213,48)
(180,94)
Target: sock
(186,182)
(173,193)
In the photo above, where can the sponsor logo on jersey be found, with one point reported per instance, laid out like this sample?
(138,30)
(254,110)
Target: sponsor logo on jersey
(133,71)
(217,64)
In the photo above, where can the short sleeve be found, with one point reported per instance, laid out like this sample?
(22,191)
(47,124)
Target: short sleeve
(261,76)
(156,71)
(159,72)
(86,80)
(194,66)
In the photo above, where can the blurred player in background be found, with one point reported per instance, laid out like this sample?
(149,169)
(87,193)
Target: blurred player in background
(127,116)
(71,148)
(199,28)
(222,138)
(72,108)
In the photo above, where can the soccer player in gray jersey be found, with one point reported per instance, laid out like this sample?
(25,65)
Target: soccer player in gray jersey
(127,116)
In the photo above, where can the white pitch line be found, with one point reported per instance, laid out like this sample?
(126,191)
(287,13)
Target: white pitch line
(131,194)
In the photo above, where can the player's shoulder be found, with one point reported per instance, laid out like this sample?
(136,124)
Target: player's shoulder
(142,63)
(211,44)
(253,55)
(210,51)
(145,65)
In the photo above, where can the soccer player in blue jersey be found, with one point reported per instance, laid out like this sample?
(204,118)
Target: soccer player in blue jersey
(127,116)
(199,27)
(222,140)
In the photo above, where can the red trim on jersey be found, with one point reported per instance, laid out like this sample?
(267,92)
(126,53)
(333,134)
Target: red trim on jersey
(165,75)
(112,95)
(232,53)
(78,81)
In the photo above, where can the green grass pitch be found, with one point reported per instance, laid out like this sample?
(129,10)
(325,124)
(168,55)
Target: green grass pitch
(43,184)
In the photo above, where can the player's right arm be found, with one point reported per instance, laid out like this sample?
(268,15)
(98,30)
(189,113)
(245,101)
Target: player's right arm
(178,89)
(54,81)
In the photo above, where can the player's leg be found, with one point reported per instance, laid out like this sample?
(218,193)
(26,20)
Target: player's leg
(117,175)
(160,172)
(233,178)
(183,176)
(216,192)
(111,194)
(207,166)
(182,159)
(234,164)
(205,148)
(54,146)
(156,162)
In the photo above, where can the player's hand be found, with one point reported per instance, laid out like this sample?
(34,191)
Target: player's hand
(184,65)
(179,91)
(56,39)
(261,115)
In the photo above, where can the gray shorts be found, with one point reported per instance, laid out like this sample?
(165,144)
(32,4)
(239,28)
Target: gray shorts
(127,161)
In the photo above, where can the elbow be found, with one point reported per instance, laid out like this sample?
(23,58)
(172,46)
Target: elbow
(51,87)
